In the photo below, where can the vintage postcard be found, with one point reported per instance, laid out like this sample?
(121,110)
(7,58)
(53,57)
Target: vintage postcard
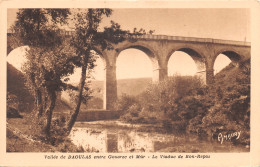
(129,83)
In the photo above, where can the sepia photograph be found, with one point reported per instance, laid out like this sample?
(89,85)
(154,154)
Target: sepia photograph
(107,80)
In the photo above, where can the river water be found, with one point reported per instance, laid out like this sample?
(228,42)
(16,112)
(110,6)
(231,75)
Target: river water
(118,137)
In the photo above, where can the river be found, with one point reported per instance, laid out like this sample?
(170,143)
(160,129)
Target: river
(119,137)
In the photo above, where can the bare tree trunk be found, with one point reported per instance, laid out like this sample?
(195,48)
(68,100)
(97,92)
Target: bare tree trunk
(38,98)
(39,103)
(50,111)
(74,116)
(45,101)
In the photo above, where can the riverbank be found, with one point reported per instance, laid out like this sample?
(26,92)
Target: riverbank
(111,136)
(19,138)
(117,136)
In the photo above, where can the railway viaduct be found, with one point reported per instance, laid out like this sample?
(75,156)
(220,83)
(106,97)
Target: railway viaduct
(159,48)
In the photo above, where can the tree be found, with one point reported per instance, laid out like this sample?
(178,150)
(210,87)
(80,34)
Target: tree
(86,38)
(48,59)
(38,27)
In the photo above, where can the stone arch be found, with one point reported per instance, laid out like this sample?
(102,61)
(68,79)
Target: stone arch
(144,48)
(197,57)
(192,52)
(102,55)
(234,56)
(15,48)
(140,46)
(146,56)
(17,57)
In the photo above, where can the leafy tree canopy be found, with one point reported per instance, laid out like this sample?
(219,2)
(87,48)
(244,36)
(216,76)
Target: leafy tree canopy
(38,27)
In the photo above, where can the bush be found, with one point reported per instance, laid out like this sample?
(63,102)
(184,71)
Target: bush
(184,105)
(125,102)
(228,108)
(160,103)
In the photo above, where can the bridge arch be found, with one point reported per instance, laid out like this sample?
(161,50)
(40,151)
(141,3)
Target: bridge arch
(17,57)
(148,51)
(197,57)
(144,49)
(11,49)
(134,63)
(195,54)
(234,56)
(140,46)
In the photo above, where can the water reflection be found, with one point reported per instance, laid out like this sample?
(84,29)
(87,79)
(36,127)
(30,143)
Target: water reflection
(93,140)
(98,138)
(89,139)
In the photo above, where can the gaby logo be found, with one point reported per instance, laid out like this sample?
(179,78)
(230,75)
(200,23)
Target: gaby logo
(229,136)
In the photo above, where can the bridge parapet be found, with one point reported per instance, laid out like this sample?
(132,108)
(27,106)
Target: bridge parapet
(191,39)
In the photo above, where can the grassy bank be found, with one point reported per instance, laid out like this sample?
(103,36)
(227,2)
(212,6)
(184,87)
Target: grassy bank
(21,137)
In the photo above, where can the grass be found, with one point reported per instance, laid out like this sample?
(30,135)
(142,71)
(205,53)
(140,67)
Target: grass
(19,138)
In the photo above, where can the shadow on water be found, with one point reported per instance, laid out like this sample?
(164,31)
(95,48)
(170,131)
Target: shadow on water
(93,138)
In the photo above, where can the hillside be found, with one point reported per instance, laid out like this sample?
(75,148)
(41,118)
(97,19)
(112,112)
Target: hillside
(16,88)
(133,86)
(16,83)
(231,73)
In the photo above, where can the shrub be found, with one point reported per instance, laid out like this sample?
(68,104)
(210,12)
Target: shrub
(185,105)
(228,108)
(160,103)
(125,102)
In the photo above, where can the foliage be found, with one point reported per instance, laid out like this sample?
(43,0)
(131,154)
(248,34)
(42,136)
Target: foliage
(231,110)
(48,61)
(38,27)
(183,105)
(160,101)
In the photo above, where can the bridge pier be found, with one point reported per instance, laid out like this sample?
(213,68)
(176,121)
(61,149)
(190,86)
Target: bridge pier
(201,70)
(209,76)
(210,69)
(160,69)
(110,88)
(110,84)
(160,74)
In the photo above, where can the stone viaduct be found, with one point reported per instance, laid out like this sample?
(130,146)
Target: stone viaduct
(159,48)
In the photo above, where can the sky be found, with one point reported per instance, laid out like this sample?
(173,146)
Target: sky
(229,24)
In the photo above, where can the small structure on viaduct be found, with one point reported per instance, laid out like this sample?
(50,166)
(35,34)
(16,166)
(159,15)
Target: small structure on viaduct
(159,48)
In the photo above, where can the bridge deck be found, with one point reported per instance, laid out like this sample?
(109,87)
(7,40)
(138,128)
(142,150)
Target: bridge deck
(175,38)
